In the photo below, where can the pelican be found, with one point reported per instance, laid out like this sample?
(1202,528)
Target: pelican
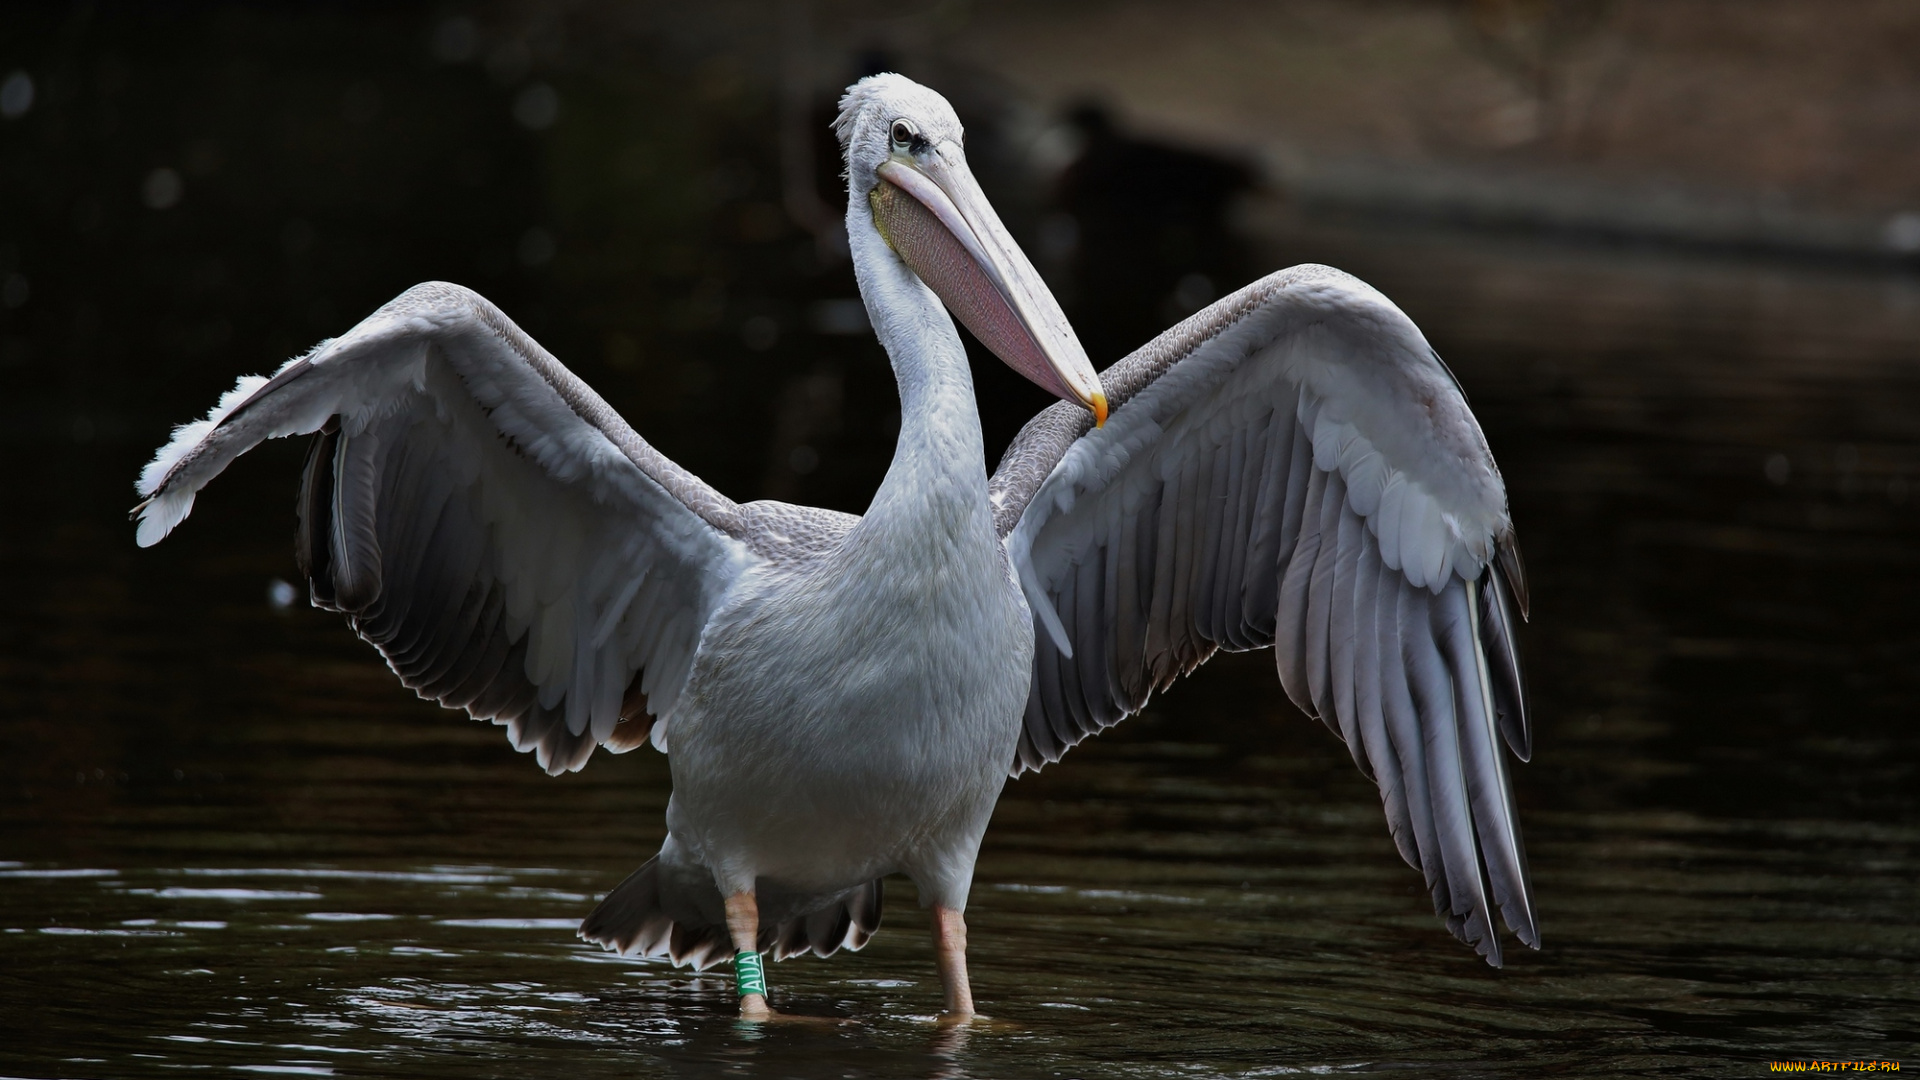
(843,698)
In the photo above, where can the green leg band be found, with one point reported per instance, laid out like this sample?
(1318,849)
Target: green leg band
(748,974)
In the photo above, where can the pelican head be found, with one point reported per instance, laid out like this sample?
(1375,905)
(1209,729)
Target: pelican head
(906,164)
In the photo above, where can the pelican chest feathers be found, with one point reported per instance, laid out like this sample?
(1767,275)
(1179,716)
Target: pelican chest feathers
(843,697)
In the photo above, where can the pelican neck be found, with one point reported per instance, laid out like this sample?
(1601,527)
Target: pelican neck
(939,463)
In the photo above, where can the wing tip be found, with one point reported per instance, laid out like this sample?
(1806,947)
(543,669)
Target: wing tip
(163,506)
(1487,945)
(188,437)
(158,515)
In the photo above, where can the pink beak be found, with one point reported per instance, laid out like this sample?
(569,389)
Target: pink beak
(948,234)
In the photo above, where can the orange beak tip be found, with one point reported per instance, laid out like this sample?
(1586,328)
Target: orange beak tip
(1099,409)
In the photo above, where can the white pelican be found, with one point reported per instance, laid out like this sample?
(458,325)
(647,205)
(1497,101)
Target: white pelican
(843,697)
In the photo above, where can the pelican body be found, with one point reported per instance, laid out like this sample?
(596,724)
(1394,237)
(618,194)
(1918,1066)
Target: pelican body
(842,698)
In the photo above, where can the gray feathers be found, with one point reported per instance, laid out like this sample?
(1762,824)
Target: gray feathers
(1215,511)
(657,912)
(481,516)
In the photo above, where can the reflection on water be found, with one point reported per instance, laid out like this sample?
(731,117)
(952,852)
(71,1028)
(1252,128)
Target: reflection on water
(231,842)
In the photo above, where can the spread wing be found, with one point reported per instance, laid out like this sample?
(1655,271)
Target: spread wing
(1292,467)
(510,545)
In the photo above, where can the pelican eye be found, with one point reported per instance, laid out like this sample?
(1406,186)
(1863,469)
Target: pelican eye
(906,137)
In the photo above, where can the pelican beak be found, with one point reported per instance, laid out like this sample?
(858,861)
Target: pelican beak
(935,217)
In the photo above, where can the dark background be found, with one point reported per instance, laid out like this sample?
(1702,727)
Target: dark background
(1668,248)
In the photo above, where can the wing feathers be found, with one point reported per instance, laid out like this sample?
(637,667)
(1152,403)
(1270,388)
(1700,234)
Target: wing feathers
(1290,629)
(1293,467)
(1402,721)
(1318,627)
(355,540)
(1503,655)
(1211,542)
(1072,688)
(1495,822)
(482,517)
(1184,504)
(1160,627)
(1370,709)
(1514,570)
(1300,493)
(1341,630)
(1126,569)
(1433,700)
(1259,590)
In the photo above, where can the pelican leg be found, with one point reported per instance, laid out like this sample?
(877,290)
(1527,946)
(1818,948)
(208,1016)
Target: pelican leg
(950,955)
(743,925)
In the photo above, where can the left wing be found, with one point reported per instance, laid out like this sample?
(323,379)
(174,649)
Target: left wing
(1294,467)
(486,520)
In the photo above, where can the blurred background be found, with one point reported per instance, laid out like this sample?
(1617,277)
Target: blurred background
(1672,251)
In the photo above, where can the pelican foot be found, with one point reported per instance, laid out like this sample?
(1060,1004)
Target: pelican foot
(755,1010)
(972,1022)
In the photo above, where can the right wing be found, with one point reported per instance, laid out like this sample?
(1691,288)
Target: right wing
(485,519)
(1292,467)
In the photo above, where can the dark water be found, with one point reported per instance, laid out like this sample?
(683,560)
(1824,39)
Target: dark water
(232,844)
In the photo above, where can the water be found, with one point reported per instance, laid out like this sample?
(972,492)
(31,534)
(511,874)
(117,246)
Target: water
(232,844)
(235,844)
